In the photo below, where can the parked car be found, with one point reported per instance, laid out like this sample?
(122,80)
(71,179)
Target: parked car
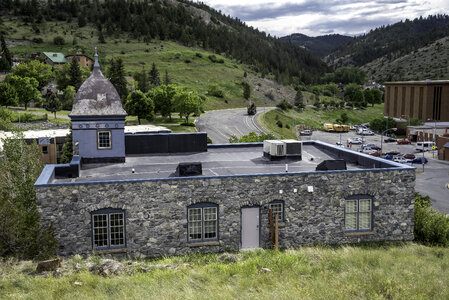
(409,156)
(339,144)
(425,146)
(388,156)
(420,160)
(305,132)
(403,142)
(401,159)
(355,140)
(372,146)
(389,140)
(393,153)
(363,131)
(368,150)
(377,154)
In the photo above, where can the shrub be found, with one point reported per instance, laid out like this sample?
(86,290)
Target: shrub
(431,226)
(198,55)
(284,105)
(221,61)
(58,40)
(212,58)
(38,40)
(214,90)
(279,124)
(187,61)
(270,95)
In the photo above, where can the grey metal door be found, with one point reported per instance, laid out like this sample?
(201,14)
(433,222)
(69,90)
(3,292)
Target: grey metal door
(250,227)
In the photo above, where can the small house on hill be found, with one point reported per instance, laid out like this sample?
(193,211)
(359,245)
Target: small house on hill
(82,59)
(55,58)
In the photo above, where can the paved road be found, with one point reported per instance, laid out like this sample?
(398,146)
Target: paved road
(221,124)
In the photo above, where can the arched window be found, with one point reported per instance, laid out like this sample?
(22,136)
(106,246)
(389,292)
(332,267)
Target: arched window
(278,209)
(359,213)
(202,222)
(108,228)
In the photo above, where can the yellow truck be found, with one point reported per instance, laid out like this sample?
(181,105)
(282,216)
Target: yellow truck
(335,127)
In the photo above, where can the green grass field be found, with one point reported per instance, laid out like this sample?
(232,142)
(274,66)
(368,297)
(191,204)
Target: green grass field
(315,118)
(390,271)
(186,66)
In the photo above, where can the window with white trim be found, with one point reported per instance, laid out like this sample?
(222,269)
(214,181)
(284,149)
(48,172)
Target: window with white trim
(108,229)
(104,140)
(278,209)
(202,222)
(358,213)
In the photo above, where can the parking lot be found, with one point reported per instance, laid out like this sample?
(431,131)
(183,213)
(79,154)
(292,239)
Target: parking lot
(431,182)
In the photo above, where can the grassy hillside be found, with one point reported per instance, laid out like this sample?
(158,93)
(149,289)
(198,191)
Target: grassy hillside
(430,62)
(391,271)
(186,66)
(315,118)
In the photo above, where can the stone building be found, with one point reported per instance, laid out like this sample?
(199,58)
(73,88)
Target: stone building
(173,194)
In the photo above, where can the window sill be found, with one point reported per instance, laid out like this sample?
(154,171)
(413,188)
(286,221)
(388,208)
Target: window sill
(358,233)
(110,251)
(201,244)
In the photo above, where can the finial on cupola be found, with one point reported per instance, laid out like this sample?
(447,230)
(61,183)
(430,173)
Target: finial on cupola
(96,64)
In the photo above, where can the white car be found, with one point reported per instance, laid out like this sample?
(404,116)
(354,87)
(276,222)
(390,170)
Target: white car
(400,159)
(368,150)
(355,140)
(365,132)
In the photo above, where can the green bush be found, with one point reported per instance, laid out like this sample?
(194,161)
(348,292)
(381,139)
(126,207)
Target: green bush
(198,55)
(431,226)
(26,117)
(279,124)
(212,58)
(214,90)
(284,105)
(251,137)
(58,40)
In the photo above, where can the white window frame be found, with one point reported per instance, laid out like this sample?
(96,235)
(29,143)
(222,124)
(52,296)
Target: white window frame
(358,212)
(281,214)
(208,213)
(99,146)
(120,234)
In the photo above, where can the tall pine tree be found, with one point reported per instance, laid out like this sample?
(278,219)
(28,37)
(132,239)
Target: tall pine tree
(6,60)
(117,77)
(155,80)
(75,75)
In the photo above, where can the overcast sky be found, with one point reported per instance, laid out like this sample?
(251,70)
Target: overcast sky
(320,17)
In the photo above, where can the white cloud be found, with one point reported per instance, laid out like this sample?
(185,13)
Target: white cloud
(318,17)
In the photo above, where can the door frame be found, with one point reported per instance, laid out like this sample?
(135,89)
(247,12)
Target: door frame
(241,223)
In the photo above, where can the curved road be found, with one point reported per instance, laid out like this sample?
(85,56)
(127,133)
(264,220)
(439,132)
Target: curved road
(221,124)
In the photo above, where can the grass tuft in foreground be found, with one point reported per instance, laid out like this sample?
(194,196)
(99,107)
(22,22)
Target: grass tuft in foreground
(388,271)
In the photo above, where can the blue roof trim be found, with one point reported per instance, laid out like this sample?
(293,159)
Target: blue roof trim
(39,184)
(48,171)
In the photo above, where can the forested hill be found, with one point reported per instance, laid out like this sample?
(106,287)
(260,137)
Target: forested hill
(192,24)
(392,41)
(319,46)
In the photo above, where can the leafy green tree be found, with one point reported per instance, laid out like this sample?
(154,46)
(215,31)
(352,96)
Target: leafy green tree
(26,89)
(348,75)
(101,37)
(284,105)
(137,104)
(22,235)
(117,77)
(81,20)
(299,100)
(75,75)
(52,103)
(35,69)
(377,95)
(155,80)
(343,118)
(163,97)
(67,149)
(354,94)
(369,97)
(246,90)
(381,124)
(68,97)
(8,95)
(186,104)
(142,80)
(6,60)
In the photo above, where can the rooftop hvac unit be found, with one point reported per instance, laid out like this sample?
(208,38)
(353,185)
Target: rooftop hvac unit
(293,148)
(275,149)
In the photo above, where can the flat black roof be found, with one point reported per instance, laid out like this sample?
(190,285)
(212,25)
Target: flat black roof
(226,161)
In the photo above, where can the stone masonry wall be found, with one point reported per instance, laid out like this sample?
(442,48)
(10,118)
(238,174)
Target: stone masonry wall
(156,211)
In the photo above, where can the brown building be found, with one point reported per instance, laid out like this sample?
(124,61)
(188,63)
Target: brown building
(424,100)
(83,60)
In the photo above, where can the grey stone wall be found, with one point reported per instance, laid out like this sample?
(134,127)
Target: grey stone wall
(156,211)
